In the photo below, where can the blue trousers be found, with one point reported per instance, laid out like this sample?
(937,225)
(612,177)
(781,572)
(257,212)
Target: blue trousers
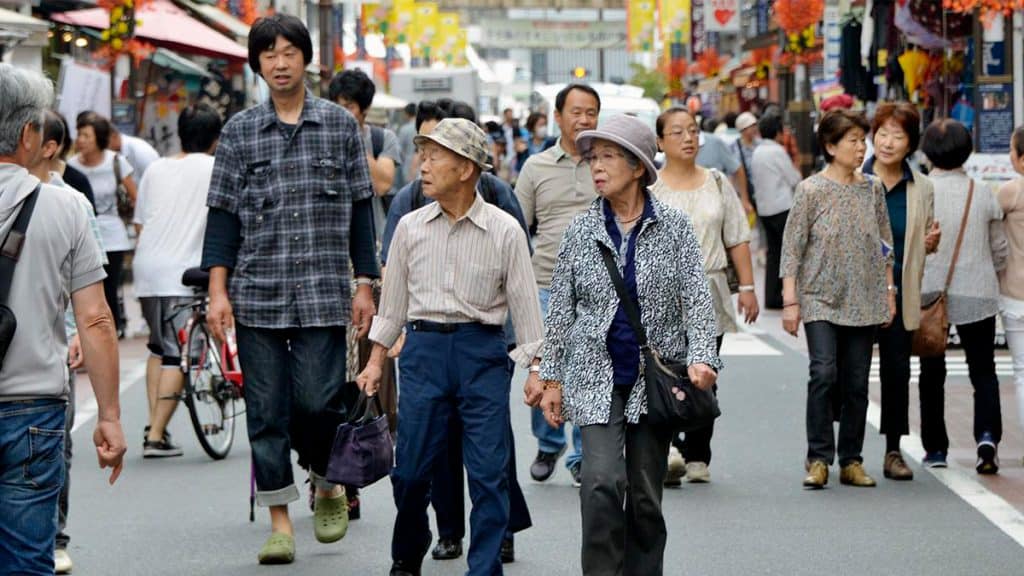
(31,476)
(463,373)
(552,440)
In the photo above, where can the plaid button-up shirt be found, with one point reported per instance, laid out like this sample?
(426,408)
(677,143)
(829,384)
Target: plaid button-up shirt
(292,189)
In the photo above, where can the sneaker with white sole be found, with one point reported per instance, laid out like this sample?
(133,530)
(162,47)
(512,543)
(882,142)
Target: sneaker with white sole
(697,473)
(676,467)
(61,561)
(988,455)
(160,449)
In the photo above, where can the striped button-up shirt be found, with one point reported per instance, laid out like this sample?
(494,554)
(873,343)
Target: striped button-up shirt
(476,269)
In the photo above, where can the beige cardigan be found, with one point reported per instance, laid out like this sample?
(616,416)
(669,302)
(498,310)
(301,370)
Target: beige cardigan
(920,214)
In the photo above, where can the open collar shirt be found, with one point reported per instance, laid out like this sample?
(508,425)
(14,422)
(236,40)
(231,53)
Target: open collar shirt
(292,188)
(476,269)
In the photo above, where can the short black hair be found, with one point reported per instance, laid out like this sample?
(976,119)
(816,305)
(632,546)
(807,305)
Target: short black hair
(835,124)
(264,33)
(443,108)
(709,124)
(947,144)
(55,128)
(410,109)
(100,127)
(353,85)
(770,126)
(532,119)
(730,119)
(563,94)
(659,124)
(198,128)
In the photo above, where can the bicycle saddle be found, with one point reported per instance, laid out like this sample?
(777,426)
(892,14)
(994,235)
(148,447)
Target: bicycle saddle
(196,278)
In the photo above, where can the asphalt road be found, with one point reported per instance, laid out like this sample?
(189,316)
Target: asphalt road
(189,515)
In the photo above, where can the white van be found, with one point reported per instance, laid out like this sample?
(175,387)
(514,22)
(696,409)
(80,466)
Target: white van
(615,99)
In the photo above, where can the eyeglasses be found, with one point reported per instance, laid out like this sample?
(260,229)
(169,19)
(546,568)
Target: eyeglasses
(605,158)
(676,134)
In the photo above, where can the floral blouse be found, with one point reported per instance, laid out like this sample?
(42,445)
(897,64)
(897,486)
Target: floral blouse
(837,245)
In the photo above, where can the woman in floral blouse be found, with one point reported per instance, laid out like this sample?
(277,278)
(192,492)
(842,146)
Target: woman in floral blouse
(591,359)
(837,279)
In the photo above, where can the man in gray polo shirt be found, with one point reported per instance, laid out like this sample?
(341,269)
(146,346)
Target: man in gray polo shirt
(552,190)
(58,259)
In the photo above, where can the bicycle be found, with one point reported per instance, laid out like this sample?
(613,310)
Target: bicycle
(213,377)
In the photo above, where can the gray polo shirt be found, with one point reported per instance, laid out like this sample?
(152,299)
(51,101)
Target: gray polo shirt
(60,256)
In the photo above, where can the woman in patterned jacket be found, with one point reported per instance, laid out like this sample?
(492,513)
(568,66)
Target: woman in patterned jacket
(591,359)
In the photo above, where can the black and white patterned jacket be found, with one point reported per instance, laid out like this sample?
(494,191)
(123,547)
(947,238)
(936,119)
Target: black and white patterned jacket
(675,305)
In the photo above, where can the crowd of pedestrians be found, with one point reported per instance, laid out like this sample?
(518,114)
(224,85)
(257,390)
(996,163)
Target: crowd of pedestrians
(346,258)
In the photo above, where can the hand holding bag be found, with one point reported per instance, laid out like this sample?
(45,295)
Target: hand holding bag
(673,401)
(10,251)
(125,208)
(363,451)
(929,340)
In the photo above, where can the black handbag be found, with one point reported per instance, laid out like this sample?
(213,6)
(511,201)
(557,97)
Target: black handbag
(9,254)
(673,401)
(363,451)
(125,208)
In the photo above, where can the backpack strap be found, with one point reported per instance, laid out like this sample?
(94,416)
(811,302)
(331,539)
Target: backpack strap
(13,243)
(376,140)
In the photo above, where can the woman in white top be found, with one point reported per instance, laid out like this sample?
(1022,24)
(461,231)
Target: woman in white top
(973,295)
(97,163)
(1011,280)
(724,234)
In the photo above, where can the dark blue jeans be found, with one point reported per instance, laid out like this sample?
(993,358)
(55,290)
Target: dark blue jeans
(31,476)
(464,373)
(293,401)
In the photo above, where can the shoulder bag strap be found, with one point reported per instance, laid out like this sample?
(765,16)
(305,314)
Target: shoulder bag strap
(959,237)
(117,172)
(632,311)
(13,242)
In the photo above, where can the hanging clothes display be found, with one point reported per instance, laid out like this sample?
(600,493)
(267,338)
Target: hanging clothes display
(854,77)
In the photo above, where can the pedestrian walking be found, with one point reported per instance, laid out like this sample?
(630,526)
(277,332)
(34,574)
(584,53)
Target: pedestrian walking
(289,215)
(716,153)
(56,259)
(1011,280)
(170,219)
(910,199)
(447,488)
(486,258)
(106,171)
(591,365)
(723,233)
(838,216)
(552,189)
(972,296)
(775,178)
(139,153)
(748,141)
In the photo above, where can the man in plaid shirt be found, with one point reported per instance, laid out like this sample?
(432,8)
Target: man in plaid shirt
(289,214)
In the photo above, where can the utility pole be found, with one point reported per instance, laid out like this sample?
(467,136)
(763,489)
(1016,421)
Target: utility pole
(326,21)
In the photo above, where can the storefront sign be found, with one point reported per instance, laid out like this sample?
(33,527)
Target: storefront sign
(995,118)
(990,167)
(544,34)
(722,15)
(699,38)
(833,37)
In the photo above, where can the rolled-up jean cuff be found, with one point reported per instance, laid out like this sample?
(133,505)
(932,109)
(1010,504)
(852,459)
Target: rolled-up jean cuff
(320,482)
(280,497)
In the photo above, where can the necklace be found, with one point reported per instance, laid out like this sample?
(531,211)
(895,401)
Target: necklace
(628,220)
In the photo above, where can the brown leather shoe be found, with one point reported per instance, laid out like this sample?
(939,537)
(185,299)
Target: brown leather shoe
(853,474)
(896,468)
(817,475)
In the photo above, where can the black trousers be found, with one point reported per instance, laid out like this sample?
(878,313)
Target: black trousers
(112,284)
(774,226)
(620,498)
(894,374)
(840,360)
(978,341)
(696,444)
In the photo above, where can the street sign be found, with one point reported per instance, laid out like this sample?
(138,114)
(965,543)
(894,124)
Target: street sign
(546,34)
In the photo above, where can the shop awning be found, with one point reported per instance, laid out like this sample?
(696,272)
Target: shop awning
(218,18)
(173,61)
(164,24)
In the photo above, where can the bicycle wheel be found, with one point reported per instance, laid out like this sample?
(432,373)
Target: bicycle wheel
(209,396)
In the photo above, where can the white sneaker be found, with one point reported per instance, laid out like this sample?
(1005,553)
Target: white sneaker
(676,467)
(697,473)
(61,561)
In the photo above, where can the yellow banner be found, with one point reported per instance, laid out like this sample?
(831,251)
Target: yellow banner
(375,18)
(423,30)
(674,24)
(459,52)
(400,19)
(640,23)
(447,36)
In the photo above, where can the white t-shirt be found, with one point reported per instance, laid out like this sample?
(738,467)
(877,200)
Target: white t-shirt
(171,208)
(139,154)
(104,186)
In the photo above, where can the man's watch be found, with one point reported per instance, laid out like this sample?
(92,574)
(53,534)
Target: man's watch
(364,281)
(534,368)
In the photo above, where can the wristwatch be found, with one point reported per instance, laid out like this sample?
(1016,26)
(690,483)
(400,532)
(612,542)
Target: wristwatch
(534,368)
(892,288)
(746,288)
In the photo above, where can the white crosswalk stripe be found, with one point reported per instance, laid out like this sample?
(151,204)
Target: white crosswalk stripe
(956,366)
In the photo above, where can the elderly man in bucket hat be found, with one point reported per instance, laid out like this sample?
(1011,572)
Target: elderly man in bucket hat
(456,268)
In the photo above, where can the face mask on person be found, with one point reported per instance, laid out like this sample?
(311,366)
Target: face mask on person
(540,132)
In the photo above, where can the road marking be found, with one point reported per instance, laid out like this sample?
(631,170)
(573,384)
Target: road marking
(87,412)
(746,344)
(961,482)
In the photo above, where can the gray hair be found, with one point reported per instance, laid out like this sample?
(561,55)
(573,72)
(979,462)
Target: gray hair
(24,95)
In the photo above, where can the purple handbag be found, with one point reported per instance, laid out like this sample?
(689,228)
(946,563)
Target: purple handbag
(363,451)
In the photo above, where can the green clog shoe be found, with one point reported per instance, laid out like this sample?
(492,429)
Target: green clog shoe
(279,549)
(330,518)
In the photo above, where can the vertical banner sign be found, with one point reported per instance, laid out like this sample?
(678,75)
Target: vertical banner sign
(698,37)
(722,15)
(375,19)
(995,118)
(445,46)
(400,21)
(423,30)
(640,24)
(674,24)
(763,16)
(833,40)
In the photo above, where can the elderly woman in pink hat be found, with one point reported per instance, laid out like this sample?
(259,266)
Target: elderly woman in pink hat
(592,360)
